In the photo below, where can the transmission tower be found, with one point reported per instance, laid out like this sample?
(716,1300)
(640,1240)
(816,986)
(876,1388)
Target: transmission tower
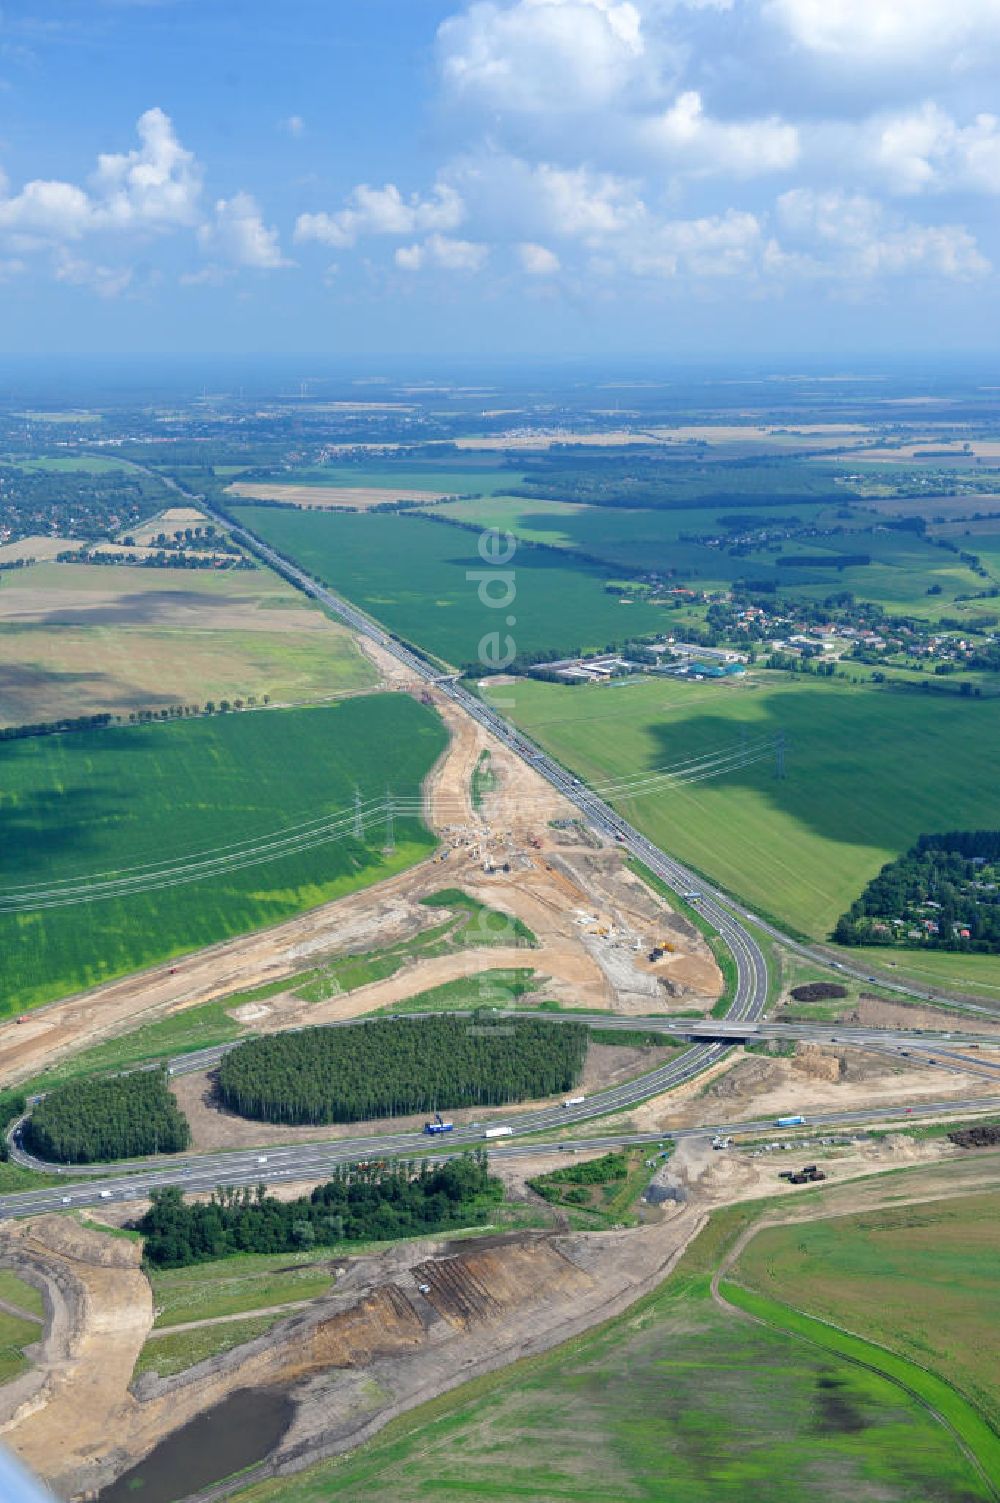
(390,835)
(359,828)
(779,755)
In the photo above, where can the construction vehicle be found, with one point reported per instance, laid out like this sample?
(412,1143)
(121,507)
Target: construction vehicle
(534,842)
(809,1175)
(720,1142)
(439,1125)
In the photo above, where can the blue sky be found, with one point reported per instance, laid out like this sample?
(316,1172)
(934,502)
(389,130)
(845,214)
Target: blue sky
(669,177)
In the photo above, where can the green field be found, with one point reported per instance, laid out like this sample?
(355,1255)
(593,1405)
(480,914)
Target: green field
(15,1335)
(179,1350)
(86,464)
(16,1291)
(465,478)
(676,1401)
(922,1280)
(77,807)
(867,771)
(903,567)
(237,1285)
(631,537)
(410,573)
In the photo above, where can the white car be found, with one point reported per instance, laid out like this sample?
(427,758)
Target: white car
(67,1200)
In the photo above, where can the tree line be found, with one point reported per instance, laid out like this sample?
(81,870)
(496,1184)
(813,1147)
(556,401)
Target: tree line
(98,1121)
(360,1203)
(392,1066)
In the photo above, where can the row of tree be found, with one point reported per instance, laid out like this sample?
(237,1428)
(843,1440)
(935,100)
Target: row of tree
(358,1204)
(55,727)
(392,1066)
(98,1121)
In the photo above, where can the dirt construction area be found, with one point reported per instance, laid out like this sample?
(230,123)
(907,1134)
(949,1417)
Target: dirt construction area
(400,1326)
(594,922)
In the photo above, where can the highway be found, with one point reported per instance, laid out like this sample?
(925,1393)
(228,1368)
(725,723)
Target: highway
(315,1161)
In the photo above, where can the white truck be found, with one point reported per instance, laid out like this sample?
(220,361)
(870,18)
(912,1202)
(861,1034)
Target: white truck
(499,1132)
(574,1100)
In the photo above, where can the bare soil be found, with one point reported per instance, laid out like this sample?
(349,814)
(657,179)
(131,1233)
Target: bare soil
(753,1086)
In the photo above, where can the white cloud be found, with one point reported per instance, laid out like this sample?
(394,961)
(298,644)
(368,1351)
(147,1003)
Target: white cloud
(925,150)
(383,211)
(152,188)
(578,202)
(542,55)
(239,234)
(156,185)
(696,143)
(537,260)
(893,33)
(410,257)
(292,125)
(106,281)
(721,245)
(444,252)
(858,238)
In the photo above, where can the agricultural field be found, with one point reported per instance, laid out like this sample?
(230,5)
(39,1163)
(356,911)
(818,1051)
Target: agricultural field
(678,1400)
(79,639)
(411,574)
(903,569)
(867,770)
(80,464)
(431,476)
(922,1280)
(144,802)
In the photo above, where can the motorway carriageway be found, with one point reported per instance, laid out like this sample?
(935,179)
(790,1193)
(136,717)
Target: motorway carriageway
(721,1031)
(315,1161)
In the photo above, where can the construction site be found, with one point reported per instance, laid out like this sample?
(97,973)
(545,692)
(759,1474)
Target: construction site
(409,1322)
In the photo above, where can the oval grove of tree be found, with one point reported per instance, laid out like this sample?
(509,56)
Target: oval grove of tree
(396,1065)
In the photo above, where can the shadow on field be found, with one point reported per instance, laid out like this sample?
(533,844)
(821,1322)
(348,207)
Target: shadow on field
(864,767)
(144,608)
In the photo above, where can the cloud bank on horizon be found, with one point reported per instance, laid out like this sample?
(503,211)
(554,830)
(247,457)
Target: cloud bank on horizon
(580,150)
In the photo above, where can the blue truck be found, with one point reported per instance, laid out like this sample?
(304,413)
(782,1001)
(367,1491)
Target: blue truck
(789,1121)
(439,1125)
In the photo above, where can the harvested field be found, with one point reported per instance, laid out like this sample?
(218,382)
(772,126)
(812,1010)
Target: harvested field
(40,548)
(168,521)
(329,497)
(48,594)
(48,673)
